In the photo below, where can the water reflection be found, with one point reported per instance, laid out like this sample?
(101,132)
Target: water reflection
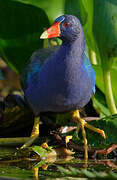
(48,168)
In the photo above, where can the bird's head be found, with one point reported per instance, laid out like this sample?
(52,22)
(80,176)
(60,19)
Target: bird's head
(66,27)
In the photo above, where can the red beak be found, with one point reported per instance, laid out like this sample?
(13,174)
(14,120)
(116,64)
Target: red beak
(53,31)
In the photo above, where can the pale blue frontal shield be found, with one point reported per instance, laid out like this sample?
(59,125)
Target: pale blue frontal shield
(60,19)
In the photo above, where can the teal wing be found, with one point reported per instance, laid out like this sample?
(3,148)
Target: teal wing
(90,71)
(36,61)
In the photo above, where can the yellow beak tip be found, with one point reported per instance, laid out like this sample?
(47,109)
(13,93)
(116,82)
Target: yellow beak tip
(44,35)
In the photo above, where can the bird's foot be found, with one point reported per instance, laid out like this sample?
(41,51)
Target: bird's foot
(100,131)
(82,124)
(67,139)
(34,134)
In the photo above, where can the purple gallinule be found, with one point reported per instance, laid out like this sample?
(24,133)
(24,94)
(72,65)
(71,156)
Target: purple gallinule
(66,79)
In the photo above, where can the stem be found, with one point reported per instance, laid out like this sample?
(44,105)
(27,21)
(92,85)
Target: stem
(18,141)
(92,57)
(108,91)
(13,141)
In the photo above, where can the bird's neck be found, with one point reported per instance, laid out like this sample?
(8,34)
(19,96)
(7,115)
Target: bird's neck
(75,49)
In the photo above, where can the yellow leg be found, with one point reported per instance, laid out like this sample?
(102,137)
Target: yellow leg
(76,116)
(35,130)
(85,141)
(83,124)
(36,171)
(101,132)
(34,134)
(78,128)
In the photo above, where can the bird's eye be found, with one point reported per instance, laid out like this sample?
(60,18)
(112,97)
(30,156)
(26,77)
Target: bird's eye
(66,24)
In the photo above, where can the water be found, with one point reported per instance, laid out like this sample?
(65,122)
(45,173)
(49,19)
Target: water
(31,169)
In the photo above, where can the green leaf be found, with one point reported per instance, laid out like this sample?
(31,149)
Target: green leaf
(64,171)
(40,164)
(40,151)
(100,27)
(100,81)
(89,174)
(105,28)
(99,103)
(21,26)
(84,173)
(86,14)
(109,125)
(72,7)
(52,8)
(83,9)
(105,33)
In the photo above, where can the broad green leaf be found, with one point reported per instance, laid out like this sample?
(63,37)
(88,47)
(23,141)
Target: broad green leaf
(81,9)
(83,173)
(99,103)
(86,16)
(109,125)
(52,8)
(20,28)
(100,27)
(40,164)
(105,28)
(40,151)
(84,10)
(100,81)
(72,7)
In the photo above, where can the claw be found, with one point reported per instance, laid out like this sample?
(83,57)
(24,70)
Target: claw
(83,124)
(102,133)
(67,139)
(45,145)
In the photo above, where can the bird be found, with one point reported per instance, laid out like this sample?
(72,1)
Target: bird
(60,79)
